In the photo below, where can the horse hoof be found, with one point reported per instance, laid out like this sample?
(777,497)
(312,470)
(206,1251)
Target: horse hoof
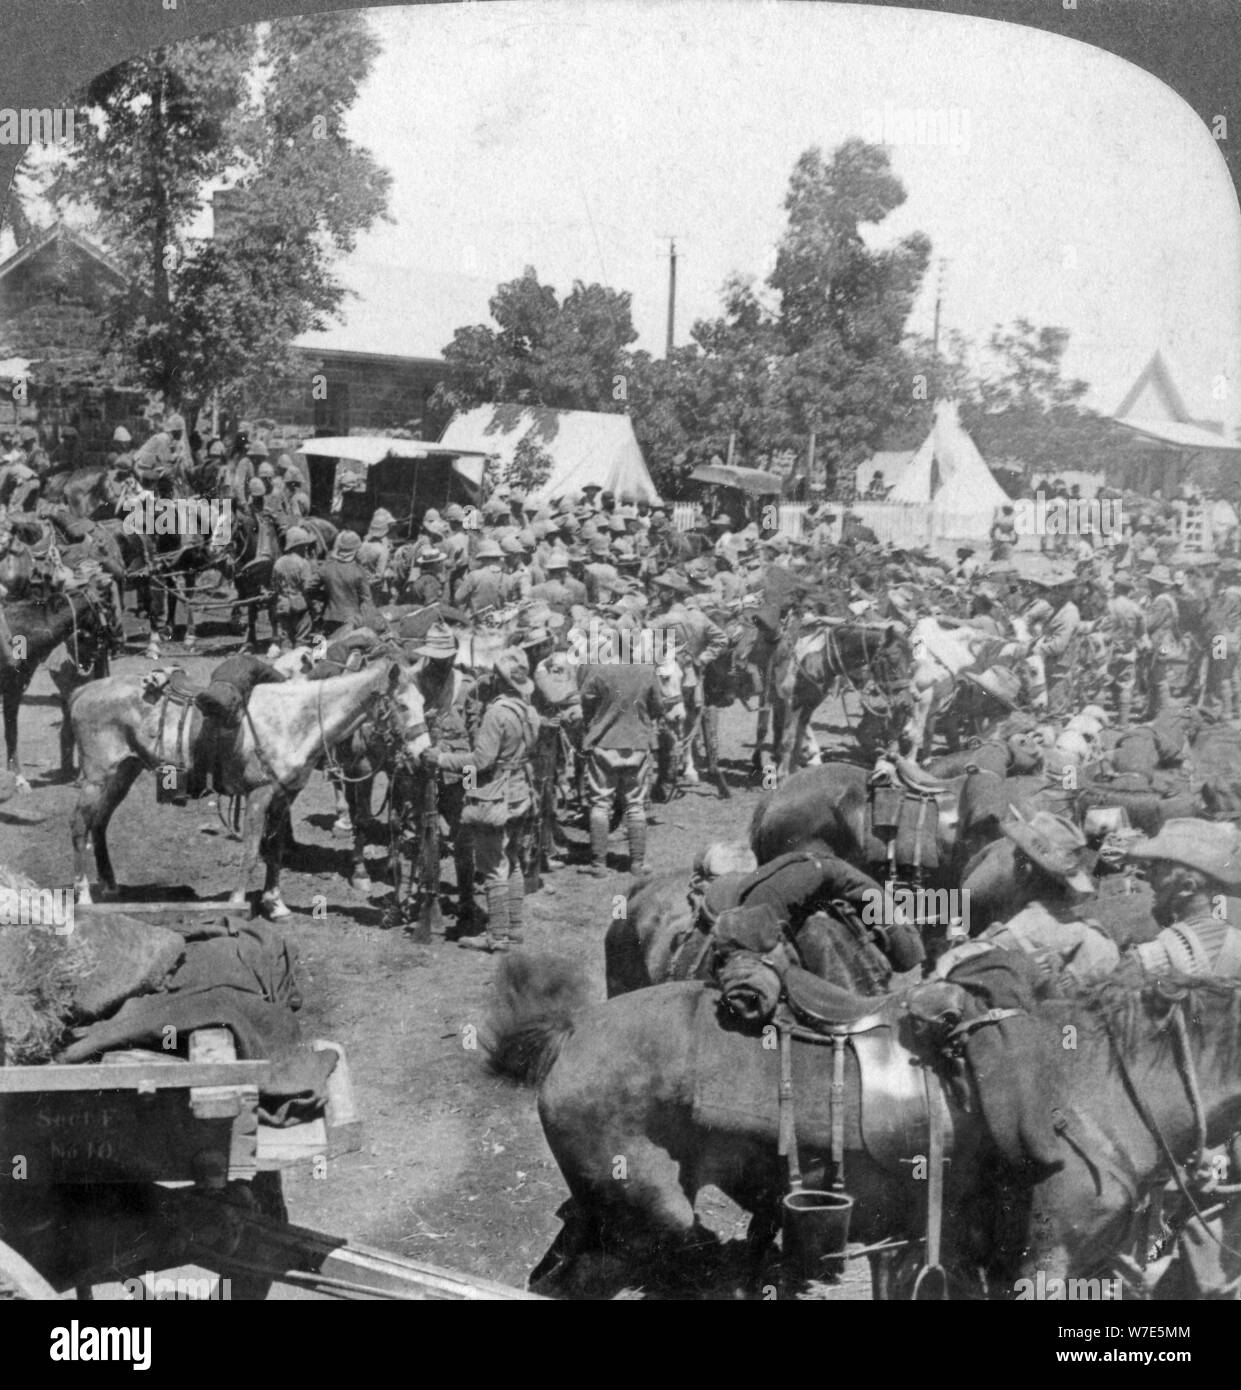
(362,885)
(342,825)
(274,909)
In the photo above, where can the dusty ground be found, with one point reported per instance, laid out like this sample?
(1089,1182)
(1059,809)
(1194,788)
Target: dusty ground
(454,1169)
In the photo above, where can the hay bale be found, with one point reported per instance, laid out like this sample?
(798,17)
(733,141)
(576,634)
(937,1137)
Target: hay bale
(50,982)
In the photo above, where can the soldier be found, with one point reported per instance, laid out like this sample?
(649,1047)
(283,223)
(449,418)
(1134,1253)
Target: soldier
(499,798)
(479,590)
(456,543)
(296,502)
(1003,533)
(1124,626)
(1053,885)
(1059,643)
(560,591)
(1163,626)
(601,577)
(293,579)
(1223,643)
(515,581)
(1194,865)
(557,701)
(430,584)
(621,708)
(450,701)
(346,587)
(164,454)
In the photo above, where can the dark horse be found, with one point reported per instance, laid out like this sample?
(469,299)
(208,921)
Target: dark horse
(871,660)
(81,619)
(622,1078)
(252,573)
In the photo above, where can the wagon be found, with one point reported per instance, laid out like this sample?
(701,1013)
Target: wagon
(357,474)
(145,1162)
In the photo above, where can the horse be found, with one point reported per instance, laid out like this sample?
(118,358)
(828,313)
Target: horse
(942,654)
(37,626)
(622,1079)
(88,493)
(873,660)
(289,729)
(1148,1083)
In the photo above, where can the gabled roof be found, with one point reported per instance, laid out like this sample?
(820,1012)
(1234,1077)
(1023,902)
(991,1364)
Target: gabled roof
(1162,416)
(58,231)
(1156,377)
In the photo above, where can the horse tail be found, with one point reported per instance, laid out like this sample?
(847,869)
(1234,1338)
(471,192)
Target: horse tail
(532,1014)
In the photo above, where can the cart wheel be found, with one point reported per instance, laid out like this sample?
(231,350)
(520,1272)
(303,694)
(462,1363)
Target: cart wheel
(265,1195)
(20,1279)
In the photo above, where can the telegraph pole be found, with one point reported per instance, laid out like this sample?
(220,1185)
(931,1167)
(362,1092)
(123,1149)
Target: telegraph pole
(672,293)
(939,299)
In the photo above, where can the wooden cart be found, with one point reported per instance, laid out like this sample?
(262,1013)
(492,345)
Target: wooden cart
(145,1162)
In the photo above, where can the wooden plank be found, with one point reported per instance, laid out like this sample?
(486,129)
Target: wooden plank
(119,1136)
(91,1076)
(214,1102)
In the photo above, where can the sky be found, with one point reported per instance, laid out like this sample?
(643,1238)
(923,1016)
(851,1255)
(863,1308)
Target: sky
(1058,182)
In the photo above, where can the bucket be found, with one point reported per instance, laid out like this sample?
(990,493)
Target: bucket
(816,1232)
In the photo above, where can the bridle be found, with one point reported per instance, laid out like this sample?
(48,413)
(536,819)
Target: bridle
(1193,1176)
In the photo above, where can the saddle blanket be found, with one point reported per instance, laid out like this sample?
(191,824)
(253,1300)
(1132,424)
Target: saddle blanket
(913,819)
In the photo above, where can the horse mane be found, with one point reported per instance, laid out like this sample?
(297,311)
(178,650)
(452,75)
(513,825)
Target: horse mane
(1134,1013)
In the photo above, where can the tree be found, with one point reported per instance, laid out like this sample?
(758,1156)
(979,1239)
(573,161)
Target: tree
(568,354)
(263,108)
(827,358)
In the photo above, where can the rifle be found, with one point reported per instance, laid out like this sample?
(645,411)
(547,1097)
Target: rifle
(429,920)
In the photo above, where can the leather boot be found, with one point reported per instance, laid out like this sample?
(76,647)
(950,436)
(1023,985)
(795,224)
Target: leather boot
(598,841)
(635,830)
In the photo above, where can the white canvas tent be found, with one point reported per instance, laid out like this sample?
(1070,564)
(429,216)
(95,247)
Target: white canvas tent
(584,446)
(949,473)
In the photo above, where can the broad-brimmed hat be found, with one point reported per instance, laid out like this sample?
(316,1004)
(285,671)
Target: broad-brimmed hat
(489,549)
(1161,574)
(592,487)
(438,643)
(120,435)
(671,580)
(698,574)
(256,488)
(493,506)
(1055,844)
(998,682)
(174,423)
(600,545)
(513,668)
(347,545)
(430,555)
(297,535)
(1211,847)
(557,560)
(265,470)
(256,449)
(511,545)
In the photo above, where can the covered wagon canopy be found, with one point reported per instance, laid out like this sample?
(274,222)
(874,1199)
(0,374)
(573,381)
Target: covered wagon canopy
(756,481)
(368,449)
(584,447)
(357,474)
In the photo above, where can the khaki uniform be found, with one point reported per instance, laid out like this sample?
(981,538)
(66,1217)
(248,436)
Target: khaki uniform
(498,800)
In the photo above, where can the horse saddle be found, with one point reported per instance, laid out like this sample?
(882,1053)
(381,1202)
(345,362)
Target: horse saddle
(829,1009)
(883,1105)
